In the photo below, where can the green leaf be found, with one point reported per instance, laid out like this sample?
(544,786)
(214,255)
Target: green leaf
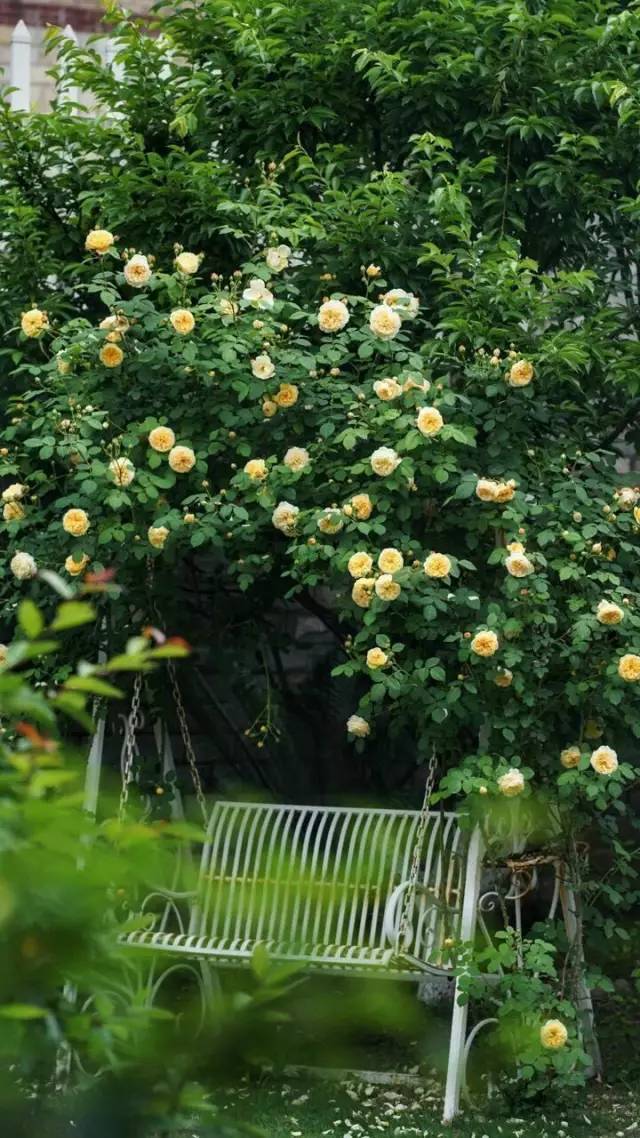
(22,1011)
(30,619)
(55,581)
(94,685)
(72,614)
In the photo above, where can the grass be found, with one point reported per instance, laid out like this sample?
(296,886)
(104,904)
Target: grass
(303,1109)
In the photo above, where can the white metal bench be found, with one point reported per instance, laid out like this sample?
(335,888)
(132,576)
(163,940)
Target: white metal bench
(324,886)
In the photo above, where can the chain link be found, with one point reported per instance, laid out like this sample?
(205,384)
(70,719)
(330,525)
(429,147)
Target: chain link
(182,721)
(132,724)
(187,742)
(408,898)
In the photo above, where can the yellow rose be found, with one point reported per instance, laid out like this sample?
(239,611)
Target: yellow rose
(604,760)
(111,355)
(485,643)
(73,567)
(263,366)
(34,322)
(157,536)
(429,421)
(386,588)
(296,458)
(505,491)
(362,506)
(384,461)
(511,783)
(287,395)
(137,271)
(609,613)
(181,459)
(376,658)
(284,518)
(406,303)
(162,439)
(362,591)
(553,1034)
(23,566)
(518,565)
(182,321)
(515,547)
(189,519)
(227,308)
(98,241)
(269,408)
(12,512)
(122,471)
(373,271)
(277,257)
(76,522)
(256,469)
(629,668)
(333,315)
(521,373)
(330,521)
(14,492)
(390,561)
(387,389)
(358,726)
(636,514)
(504,678)
(437,565)
(4,652)
(626,497)
(570,757)
(385,322)
(63,366)
(486,489)
(187,263)
(359,564)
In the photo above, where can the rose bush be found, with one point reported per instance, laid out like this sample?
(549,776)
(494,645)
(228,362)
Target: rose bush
(442,481)
(472,527)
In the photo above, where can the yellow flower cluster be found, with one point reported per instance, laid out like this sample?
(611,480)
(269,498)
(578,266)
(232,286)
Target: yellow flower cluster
(181,458)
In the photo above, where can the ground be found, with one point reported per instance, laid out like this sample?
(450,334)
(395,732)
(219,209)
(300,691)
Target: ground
(301,1109)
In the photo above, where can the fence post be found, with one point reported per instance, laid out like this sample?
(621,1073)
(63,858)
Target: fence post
(68,94)
(20,67)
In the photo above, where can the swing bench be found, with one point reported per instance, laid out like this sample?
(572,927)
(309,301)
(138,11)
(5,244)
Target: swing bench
(326,888)
(354,891)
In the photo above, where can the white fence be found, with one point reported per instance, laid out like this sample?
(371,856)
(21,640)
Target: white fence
(21,66)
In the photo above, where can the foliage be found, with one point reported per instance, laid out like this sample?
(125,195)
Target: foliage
(347,130)
(72,1005)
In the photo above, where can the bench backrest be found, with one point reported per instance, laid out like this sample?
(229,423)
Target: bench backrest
(312,875)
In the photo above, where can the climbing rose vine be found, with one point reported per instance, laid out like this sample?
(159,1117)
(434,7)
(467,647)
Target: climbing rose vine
(433,478)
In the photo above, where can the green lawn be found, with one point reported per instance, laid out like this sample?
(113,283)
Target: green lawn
(298,1108)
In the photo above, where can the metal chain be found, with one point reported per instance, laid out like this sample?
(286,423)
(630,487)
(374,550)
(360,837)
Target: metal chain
(180,710)
(132,724)
(187,742)
(407,901)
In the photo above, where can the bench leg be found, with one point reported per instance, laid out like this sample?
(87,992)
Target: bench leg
(457,1042)
(211,988)
(456,1058)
